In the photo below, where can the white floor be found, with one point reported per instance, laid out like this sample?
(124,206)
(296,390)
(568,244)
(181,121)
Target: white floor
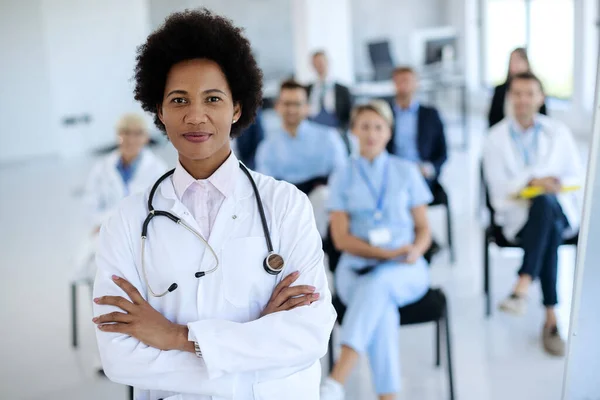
(41,225)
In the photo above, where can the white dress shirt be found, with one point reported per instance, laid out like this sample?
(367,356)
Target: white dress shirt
(315,97)
(204,197)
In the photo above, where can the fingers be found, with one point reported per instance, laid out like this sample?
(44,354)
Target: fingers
(293,291)
(115,328)
(116,301)
(128,288)
(285,282)
(115,316)
(295,302)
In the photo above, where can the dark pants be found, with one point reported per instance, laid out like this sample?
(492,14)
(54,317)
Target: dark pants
(540,238)
(307,186)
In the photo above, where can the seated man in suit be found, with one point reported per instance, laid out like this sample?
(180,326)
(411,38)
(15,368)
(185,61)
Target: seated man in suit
(303,153)
(530,149)
(330,102)
(418,132)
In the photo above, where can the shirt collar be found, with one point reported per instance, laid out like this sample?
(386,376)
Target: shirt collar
(304,125)
(412,108)
(514,125)
(222,178)
(132,166)
(378,163)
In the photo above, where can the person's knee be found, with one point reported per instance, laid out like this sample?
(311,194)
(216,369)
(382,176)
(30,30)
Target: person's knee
(545,201)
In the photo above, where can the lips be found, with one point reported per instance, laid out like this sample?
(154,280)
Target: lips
(197,137)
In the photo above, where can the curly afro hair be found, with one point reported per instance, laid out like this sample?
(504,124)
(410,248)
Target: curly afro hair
(198,34)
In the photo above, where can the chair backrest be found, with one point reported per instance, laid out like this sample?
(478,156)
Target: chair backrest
(381,60)
(486,192)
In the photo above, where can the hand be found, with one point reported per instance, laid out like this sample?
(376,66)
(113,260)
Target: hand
(409,253)
(140,320)
(286,297)
(550,184)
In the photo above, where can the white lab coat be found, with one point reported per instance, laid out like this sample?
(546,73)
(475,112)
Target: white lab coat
(104,190)
(244,357)
(506,173)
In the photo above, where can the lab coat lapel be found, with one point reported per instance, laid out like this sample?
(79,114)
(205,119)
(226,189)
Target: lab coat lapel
(116,181)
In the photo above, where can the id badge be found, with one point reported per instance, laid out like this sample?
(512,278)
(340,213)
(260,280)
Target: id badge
(380,237)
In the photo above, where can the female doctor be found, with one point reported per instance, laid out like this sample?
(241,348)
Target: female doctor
(129,169)
(194,295)
(378,207)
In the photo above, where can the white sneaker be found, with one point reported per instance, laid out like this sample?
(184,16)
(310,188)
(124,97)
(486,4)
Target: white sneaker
(514,304)
(332,390)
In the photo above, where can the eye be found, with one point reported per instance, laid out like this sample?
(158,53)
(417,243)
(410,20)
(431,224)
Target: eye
(213,99)
(179,100)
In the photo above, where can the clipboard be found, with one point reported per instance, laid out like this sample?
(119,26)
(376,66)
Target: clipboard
(531,192)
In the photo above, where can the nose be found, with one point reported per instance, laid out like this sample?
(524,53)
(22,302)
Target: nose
(195,114)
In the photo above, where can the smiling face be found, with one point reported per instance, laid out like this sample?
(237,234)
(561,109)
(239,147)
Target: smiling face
(198,110)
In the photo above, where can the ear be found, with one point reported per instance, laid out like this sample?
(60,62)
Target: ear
(237,111)
(159,112)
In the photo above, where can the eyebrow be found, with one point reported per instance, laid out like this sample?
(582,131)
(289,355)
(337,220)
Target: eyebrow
(183,92)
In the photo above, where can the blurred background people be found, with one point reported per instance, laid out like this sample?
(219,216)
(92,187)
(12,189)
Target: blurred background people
(378,205)
(245,146)
(303,152)
(499,108)
(532,150)
(418,131)
(330,102)
(129,169)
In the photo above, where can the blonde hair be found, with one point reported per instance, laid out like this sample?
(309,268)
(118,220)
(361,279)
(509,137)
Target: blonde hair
(131,121)
(381,107)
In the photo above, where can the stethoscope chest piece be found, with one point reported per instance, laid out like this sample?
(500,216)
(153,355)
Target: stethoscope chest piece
(273,263)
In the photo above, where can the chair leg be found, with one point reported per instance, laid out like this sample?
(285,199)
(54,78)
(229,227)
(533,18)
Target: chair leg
(449,232)
(449,353)
(330,356)
(438,333)
(131,393)
(74,333)
(486,277)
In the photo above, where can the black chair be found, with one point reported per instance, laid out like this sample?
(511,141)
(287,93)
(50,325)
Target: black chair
(493,234)
(440,198)
(433,307)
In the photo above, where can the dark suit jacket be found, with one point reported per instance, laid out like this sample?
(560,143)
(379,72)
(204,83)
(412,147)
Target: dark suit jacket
(496,113)
(343,104)
(431,140)
(248,142)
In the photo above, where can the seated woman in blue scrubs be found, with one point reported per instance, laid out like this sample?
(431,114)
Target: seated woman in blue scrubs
(378,215)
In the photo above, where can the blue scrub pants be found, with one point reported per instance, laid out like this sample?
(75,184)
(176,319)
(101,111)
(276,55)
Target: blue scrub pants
(372,321)
(540,238)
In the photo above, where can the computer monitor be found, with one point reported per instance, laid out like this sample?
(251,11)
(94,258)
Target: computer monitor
(381,60)
(433,46)
(436,49)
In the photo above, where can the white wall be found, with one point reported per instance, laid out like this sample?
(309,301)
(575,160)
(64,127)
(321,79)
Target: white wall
(326,26)
(25,97)
(395,21)
(63,58)
(267,23)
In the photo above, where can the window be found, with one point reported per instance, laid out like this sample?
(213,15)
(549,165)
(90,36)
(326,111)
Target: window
(545,28)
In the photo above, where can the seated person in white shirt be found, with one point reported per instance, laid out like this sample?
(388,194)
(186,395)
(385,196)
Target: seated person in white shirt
(530,149)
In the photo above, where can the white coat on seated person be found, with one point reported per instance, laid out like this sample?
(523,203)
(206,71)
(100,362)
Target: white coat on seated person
(506,172)
(104,190)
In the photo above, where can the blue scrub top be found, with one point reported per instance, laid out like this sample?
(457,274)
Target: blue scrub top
(127,171)
(406,189)
(316,151)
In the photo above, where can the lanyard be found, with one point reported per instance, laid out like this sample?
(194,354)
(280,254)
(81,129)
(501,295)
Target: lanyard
(384,183)
(526,150)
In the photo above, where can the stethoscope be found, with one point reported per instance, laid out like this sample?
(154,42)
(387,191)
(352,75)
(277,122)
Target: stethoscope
(273,263)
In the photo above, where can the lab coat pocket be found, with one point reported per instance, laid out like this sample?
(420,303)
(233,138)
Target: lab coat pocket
(302,385)
(245,281)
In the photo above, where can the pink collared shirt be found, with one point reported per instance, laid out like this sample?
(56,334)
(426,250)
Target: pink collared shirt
(204,197)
